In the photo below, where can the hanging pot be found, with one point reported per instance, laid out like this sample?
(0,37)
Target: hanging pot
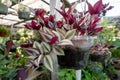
(100,56)
(3,9)
(83,42)
(76,57)
(22,73)
(23,15)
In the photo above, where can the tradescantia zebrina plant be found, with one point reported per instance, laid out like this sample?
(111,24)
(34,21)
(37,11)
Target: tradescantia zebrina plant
(57,35)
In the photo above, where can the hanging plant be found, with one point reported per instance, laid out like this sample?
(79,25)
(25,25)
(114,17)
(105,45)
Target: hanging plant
(3,8)
(100,53)
(23,12)
(69,36)
(4,31)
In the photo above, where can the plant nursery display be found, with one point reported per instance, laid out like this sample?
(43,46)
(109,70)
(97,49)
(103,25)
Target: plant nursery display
(67,43)
(70,38)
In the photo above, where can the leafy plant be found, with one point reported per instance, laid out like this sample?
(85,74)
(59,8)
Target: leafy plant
(6,71)
(4,31)
(57,35)
(23,8)
(94,72)
(66,74)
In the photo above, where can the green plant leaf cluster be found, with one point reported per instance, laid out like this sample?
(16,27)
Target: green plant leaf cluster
(23,8)
(94,73)
(5,31)
(6,71)
(66,74)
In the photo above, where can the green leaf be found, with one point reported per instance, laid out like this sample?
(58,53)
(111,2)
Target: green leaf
(65,42)
(58,50)
(1,56)
(48,63)
(70,34)
(4,62)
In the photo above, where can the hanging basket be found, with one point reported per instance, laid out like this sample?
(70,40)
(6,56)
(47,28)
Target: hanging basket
(83,42)
(3,9)
(23,15)
(74,58)
(100,56)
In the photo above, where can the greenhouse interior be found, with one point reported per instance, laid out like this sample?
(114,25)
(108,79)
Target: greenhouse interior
(59,40)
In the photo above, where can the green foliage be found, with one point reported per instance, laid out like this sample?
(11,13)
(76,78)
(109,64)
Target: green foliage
(4,31)
(94,72)
(6,71)
(23,8)
(108,33)
(66,74)
(115,52)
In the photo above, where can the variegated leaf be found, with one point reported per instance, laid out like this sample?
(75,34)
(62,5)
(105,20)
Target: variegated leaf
(58,50)
(51,25)
(46,47)
(48,63)
(70,34)
(32,74)
(58,35)
(48,31)
(65,42)
(61,31)
(45,36)
(66,26)
(37,60)
(40,20)
(32,51)
(38,46)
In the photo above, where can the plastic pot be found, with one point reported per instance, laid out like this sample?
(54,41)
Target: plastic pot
(74,58)
(23,15)
(3,9)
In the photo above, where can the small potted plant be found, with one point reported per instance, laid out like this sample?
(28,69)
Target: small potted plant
(3,8)
(100,53)
(4,31)
(23,12)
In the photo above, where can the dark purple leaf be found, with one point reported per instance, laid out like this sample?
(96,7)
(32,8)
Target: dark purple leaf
(9,45)
(90,8)
(98,7)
